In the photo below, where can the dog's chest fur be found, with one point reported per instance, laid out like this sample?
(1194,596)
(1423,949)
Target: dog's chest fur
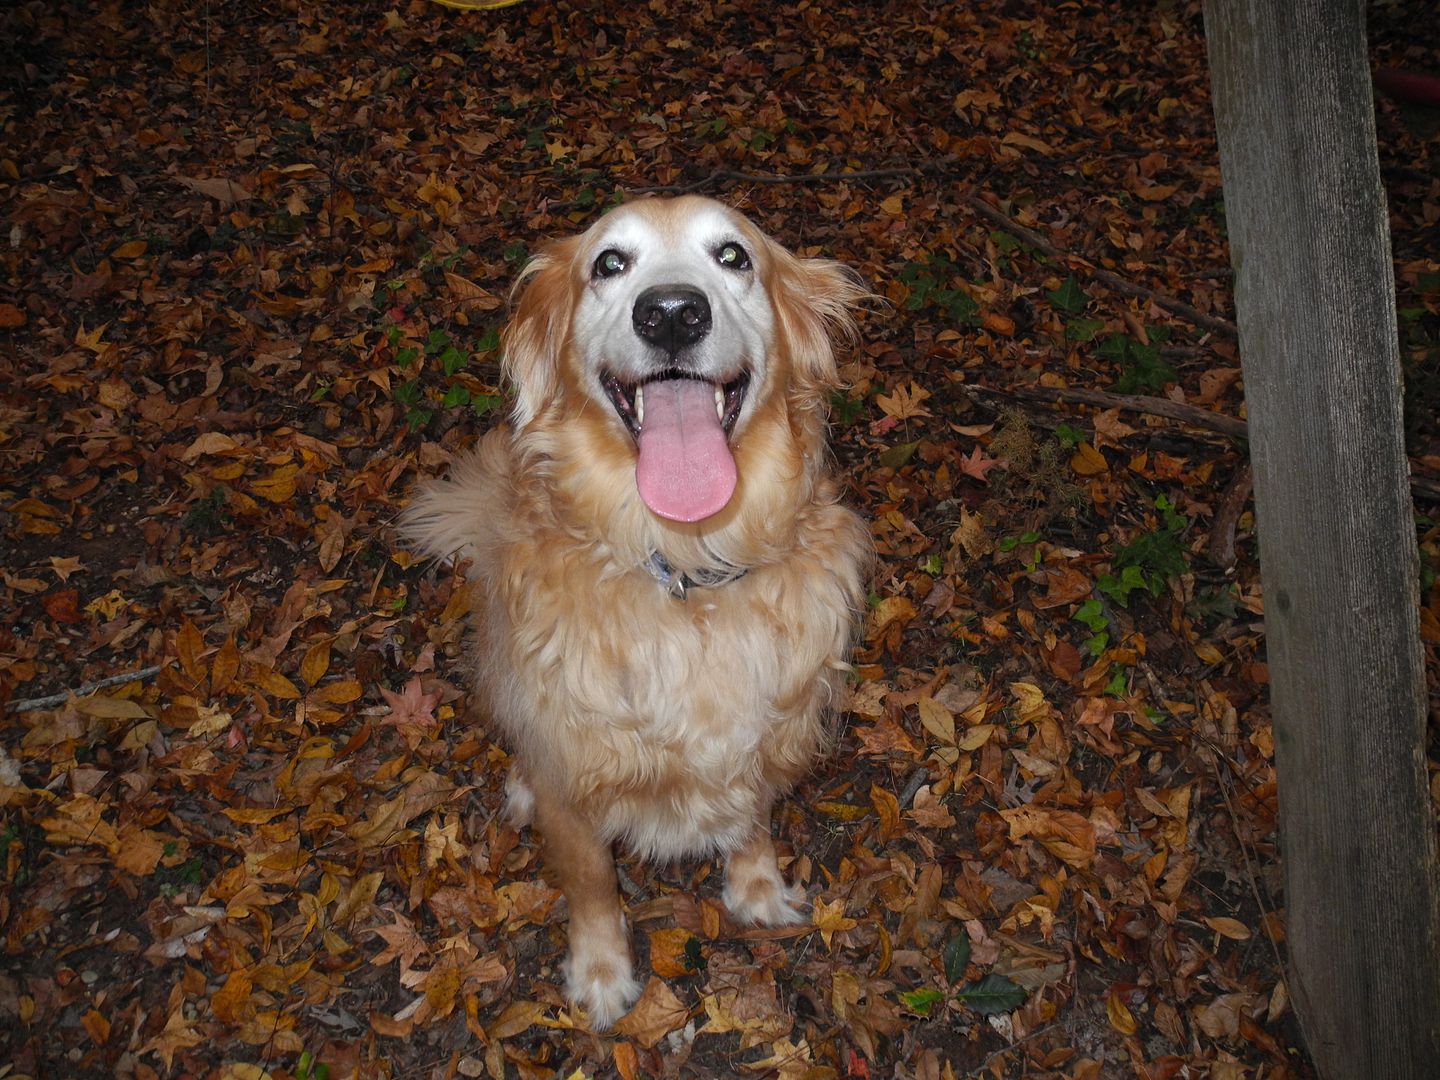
(669,723)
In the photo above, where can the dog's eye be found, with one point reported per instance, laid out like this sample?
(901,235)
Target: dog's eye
(732,257)
(610,263)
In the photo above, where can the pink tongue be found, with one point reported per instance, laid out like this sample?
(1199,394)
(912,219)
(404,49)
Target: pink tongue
(685,471)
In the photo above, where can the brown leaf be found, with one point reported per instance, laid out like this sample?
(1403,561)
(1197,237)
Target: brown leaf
(226,192)
(656,1014)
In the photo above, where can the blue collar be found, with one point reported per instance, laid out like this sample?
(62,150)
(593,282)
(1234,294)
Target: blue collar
(677,584)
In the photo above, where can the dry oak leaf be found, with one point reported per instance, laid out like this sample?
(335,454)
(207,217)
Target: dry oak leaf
(787,1061)
(178,1034)
(830,918)
(655,1015)
(412,706)
(1064,833)
(905,404)
(1109,428)
(402,943)
(929,812)
(977,465)
(1064,585)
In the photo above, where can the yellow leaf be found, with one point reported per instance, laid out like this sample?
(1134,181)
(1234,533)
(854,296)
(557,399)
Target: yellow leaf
(894,206)
(976,737)
(518,1016)
(275,684)
(938,720)
(231,1003)
(440,990)
(1121,1018)
(96,1026)
(279,486)
(1030,704)
(90,339)
(1233,929)
(212,442)
(224,666)
(1088,461)
(140,851)
(213,720)
(316,662)
(1208,653)
(133,250)
(339,693)
(667,952)
(108,708)
(841,811)
(887,806)
(829,918)
(467,292)
(139,735)
(905,404)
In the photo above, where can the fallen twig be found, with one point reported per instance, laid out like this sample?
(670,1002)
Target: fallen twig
(1105,277)
(720,175)
(52,701)
(1220,547)
(1105,399)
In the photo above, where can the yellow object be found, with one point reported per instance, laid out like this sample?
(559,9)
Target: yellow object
(477,5)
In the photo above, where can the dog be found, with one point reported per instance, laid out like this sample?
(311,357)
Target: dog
(664,581)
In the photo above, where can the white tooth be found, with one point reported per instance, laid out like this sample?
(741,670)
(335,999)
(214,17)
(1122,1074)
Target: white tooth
(719,403)
(639,405)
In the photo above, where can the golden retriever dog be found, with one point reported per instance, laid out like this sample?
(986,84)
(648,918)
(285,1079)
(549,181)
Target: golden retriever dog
(664,583)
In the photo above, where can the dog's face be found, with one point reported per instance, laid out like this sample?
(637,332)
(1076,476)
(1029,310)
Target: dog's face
(672,333)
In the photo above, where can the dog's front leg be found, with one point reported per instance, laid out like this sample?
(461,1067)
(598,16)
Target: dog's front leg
(598,972)
(755,892)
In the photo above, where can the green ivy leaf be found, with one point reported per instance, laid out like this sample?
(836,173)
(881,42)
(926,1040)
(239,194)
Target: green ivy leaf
(1069,296)
(956,956)
(920,1002)
(1083,329)
(992,995)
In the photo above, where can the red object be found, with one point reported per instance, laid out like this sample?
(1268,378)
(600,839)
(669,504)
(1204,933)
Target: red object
(1409,87)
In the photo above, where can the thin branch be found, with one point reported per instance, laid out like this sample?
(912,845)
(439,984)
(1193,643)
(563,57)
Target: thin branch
(1420,486)
(53,701)
(1140,403)
(720,175)
(1105,277)
(1220,547)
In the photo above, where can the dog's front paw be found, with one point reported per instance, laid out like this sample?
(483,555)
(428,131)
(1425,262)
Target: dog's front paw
(758,896)
(602,983)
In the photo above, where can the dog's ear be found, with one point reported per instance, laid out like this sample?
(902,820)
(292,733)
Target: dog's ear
(536,336)
(815,301)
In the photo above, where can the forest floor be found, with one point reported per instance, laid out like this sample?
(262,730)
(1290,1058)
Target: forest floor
(254,263)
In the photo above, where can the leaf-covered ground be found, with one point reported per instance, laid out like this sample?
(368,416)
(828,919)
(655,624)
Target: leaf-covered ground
(255,256)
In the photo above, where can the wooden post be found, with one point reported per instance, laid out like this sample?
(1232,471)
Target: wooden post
(1315,295)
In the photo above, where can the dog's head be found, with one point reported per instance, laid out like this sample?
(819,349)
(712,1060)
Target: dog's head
(674,339)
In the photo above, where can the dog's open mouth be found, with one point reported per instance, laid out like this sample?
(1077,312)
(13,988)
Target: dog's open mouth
(681,424)
(629,399)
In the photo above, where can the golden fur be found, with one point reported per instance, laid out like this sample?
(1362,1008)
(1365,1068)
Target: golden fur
(669,725)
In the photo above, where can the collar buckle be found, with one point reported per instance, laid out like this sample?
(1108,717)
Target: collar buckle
(678,584)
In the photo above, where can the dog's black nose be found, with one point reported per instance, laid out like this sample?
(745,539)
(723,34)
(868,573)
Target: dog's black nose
(671,317)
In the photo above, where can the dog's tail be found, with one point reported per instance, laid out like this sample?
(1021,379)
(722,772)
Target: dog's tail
(458,518)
